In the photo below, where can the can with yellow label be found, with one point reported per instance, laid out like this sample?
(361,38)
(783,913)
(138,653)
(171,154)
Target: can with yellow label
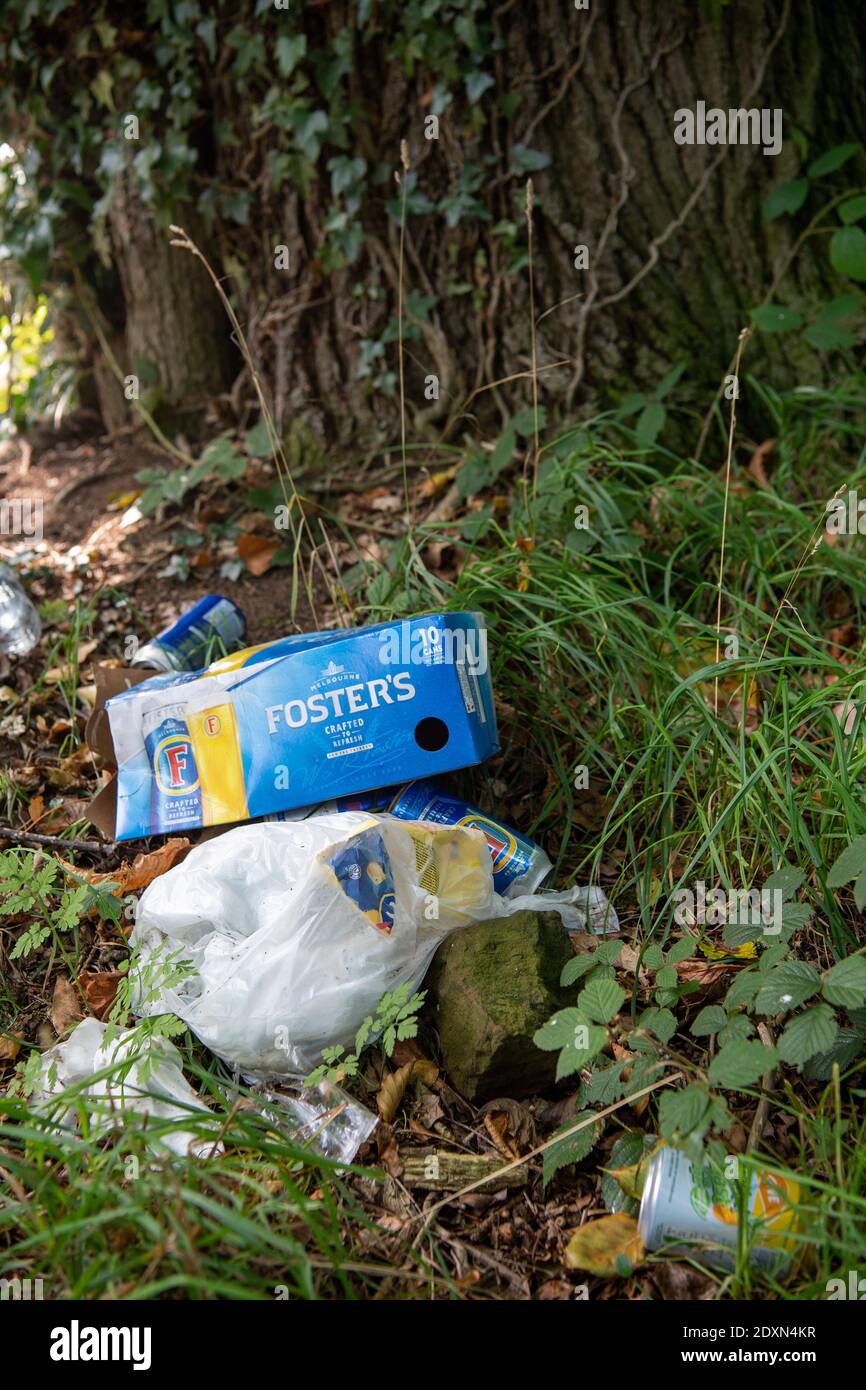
(214,736)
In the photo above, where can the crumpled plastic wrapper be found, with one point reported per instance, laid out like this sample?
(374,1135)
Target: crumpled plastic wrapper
(152,1084)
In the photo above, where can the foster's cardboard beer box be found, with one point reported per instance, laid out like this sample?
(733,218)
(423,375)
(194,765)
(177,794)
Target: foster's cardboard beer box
(302,719)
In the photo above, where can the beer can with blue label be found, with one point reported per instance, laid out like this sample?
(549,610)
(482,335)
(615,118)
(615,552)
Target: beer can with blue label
(176,801)
(213,627)
(519,864)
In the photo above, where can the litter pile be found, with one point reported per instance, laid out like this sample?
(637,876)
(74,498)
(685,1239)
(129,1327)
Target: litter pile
(295,914)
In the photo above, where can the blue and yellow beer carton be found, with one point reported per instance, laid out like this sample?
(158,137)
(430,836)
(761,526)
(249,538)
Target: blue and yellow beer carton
(302,719)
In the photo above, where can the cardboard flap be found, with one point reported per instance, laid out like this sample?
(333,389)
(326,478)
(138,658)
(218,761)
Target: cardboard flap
(102,809)
(110,681)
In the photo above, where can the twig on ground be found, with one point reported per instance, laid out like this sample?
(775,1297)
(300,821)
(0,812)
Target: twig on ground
(26,837)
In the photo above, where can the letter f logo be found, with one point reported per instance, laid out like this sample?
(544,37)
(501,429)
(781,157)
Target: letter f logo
(176,758)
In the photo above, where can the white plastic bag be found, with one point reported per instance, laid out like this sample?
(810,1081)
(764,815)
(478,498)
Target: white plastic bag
(152,1084)
(295,930)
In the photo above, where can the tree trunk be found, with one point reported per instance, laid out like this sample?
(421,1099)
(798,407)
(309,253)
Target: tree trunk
(175,324)
(678,251)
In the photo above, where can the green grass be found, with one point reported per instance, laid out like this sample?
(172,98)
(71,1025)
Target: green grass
(114,1218)
(607,652)
(603,655)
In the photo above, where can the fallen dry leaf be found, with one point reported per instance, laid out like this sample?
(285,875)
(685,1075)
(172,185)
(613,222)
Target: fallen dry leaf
(757,463)
(497,1128)
(846,714)
(9,1049)
(389,1153)
(703,972)
(257,552)
(100,987)
(393,1088)
(597,1246)
(843,639)
(65,1005)
(132,878)
(519,1123)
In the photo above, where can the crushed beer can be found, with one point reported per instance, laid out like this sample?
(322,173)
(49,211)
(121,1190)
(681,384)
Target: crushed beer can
(205,632)
(519,864)
(684,1202)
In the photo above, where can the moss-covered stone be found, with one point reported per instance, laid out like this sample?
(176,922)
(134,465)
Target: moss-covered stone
(491,986)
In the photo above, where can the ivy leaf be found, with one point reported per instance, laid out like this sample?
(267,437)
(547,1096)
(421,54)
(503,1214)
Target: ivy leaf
(807,1034)
(708,1021)
(853,209)
(845,983)
(775,318)
(789,984)
(526,161)
(848,252)
(290,50)
(308,130)
(477,84)
(831,160)
(740,1064)
(102,88)
(851,863)
(786,198)
(601,999)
